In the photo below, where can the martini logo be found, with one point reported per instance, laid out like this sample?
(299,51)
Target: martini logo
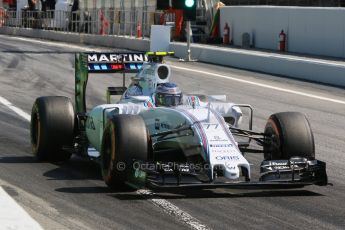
(117,58)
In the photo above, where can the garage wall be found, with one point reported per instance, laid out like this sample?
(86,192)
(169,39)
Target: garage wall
(310,30)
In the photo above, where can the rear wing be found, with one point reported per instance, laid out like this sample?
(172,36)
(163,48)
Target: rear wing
(86,63)
(121,62)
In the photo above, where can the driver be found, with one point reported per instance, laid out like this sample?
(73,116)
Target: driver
(168,95)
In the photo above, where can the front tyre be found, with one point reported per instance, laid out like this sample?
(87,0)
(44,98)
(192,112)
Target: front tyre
(51,128)
(290,135)
(125,139)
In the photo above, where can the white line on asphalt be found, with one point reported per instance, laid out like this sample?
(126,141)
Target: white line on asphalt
(167,207)
(173,210)
(261,85)
(15,109)
(57,43)
(13,216)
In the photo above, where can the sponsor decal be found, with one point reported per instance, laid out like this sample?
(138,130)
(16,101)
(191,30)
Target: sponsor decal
(225,128)
(149,104)
(90,124)
(193,101)
(217,139)
(163,125)
(227,158)
(208,126)
(282,167)
(231,167)
(223,151)
(117,58)
(221,145)
(277,163)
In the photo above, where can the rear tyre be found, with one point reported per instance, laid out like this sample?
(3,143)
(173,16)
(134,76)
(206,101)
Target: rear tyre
(125,139)
(291,136)
(51,128)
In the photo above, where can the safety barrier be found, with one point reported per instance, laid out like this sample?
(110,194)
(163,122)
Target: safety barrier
(91,21)
(304,68)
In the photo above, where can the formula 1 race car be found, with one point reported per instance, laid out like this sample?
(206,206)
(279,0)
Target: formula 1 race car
(155,136)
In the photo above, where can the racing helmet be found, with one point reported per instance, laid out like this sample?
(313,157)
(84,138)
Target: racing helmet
(168,94)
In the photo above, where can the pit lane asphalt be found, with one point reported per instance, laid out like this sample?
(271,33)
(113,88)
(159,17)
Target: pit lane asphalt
(73,196)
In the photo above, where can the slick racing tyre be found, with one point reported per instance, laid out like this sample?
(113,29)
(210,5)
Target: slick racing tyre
(51,128)
(125,139)
(290,136)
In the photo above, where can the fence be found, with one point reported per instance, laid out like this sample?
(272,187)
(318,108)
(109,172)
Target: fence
(91,21)
(96,21)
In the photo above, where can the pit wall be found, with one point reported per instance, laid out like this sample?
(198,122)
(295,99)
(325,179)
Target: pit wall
(310,30)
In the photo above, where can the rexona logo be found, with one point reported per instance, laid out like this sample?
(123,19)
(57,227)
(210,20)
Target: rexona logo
(227,158)
(117,58)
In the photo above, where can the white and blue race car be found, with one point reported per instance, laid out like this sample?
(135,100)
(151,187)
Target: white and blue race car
(155,136)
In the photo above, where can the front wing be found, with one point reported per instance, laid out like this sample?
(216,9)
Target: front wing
(274,174)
